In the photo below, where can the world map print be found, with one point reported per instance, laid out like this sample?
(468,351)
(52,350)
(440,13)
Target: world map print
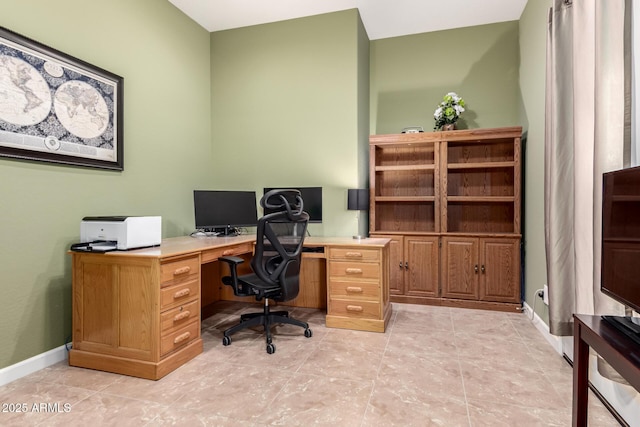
(48,106)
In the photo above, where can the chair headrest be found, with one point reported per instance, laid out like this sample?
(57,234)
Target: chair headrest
(289,200)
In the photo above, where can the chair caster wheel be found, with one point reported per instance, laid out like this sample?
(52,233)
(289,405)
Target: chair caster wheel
(271,348)
(308,333)
(226,340)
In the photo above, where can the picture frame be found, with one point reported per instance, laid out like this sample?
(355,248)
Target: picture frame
(58,109)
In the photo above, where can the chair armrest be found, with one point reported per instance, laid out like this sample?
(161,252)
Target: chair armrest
(231,260)
(238,288)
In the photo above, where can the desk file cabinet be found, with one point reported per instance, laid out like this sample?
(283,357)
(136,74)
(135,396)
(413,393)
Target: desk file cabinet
(358,296)
(137,316)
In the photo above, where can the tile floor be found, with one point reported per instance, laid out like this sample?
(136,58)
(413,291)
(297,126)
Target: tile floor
(434,366)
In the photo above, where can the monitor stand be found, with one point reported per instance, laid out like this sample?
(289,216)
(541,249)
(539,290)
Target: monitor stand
(630,326)
(226,231)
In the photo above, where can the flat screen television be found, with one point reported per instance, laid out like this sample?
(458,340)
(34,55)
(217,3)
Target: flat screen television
(620,262)
(312,199)
(224,211)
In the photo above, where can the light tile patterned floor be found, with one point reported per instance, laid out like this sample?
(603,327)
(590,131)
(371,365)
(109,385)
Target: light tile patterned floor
(435,366)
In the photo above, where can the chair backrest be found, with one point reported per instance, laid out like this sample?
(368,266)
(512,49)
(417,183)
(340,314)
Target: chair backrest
(279,239)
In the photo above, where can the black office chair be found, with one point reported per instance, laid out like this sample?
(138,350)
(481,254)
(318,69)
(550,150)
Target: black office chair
(275,264)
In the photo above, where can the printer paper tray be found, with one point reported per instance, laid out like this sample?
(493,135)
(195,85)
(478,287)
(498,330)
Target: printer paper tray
(96,246)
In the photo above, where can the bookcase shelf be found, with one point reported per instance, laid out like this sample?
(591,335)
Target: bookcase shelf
(405,168)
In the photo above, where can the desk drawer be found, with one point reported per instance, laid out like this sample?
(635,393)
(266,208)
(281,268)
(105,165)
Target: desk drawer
(213,254)
(180,270)
(355,290)
(174,295)
(355,309)
(355,270)
(357,254)
(179,316)
(179,338)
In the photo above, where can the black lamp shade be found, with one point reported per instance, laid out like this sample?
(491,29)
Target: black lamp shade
(357,199)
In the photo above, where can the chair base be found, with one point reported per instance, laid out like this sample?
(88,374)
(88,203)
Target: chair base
(266,319)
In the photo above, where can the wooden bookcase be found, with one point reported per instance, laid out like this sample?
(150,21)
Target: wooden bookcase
(451,203)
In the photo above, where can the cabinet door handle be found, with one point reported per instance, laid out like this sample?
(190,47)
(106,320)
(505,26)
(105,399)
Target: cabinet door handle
(182,337)
(353,271)
(353,254)
(354,289)
(482,268)
(406,265)
(355,308)
(476,268)
(401,266)
(181,316)
(181,270)
(182,293)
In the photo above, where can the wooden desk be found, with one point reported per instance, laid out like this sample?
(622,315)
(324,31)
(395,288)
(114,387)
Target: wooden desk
(612,345)
(138,312)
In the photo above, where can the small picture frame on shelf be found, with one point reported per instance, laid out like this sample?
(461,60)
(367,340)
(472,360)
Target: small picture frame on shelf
(413,129)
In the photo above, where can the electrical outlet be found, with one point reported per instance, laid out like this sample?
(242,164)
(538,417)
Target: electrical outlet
(545,295)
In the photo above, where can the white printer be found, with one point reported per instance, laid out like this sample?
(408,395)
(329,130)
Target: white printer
(123,232)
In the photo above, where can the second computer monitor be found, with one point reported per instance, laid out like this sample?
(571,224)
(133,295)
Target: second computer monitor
(312,197)
(222,211)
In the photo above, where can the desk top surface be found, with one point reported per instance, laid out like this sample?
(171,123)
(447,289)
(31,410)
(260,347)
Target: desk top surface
(182,245)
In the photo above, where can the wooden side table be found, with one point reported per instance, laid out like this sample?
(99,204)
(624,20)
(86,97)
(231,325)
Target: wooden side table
(622,353)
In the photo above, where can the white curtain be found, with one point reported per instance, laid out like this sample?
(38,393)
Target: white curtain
(584,137)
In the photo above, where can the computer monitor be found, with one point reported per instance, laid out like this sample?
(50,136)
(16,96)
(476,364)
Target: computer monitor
(224,211)
(312,198)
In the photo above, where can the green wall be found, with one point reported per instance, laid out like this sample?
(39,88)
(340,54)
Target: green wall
(533,33)
(411,74)
(164,59)
(285,106)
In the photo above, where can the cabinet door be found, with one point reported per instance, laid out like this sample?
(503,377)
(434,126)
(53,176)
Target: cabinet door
(396,264)
(460,274)
(115,306)
(421,274)
(500,270)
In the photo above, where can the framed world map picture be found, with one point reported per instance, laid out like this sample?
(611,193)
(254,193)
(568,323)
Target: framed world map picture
(56,108)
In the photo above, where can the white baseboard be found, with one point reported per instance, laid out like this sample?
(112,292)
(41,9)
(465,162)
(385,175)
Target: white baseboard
(553,340)
(33,364)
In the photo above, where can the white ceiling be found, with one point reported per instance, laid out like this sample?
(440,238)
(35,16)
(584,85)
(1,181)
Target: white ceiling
(381,18)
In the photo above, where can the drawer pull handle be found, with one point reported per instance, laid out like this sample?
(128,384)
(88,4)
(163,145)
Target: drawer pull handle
(353,254)
(355,308)
(182,293)
(182,337)
(227,252)
(182,270)
(182,316)
(354,289)
(353,271)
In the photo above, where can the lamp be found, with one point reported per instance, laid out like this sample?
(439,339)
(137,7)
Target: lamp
(358,200)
